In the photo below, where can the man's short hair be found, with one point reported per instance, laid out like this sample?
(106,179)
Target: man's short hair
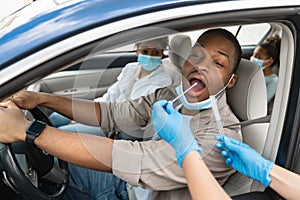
(228,35)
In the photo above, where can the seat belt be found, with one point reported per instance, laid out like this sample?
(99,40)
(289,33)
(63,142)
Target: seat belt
(265,119)
(215,109)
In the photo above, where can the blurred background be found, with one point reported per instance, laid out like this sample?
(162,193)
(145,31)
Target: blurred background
(7,7)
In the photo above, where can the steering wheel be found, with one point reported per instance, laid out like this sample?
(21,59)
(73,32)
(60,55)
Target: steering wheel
(41,168)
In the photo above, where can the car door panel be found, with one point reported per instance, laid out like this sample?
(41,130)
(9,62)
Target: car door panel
(88,79)
(86,84)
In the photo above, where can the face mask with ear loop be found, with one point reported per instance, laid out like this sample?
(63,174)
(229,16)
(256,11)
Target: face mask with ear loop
(208,103)
(149,63)
(259,62)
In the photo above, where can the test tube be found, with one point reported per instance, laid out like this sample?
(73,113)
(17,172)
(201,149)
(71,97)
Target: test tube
(216,113)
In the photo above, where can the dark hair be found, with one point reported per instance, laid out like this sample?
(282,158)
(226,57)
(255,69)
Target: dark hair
(229,36)
(272,47)
(164,42)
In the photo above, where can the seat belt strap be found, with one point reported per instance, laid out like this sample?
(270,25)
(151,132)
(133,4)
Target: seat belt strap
(265,119)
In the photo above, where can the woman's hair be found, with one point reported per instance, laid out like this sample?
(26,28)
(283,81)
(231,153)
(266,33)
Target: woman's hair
(272,47)
(164,42)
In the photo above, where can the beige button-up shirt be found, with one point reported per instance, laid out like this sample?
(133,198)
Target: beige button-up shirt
(152,164)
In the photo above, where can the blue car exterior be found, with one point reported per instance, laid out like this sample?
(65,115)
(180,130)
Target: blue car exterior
(70,19)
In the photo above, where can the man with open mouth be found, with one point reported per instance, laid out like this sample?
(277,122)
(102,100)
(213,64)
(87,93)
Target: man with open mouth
(150,164)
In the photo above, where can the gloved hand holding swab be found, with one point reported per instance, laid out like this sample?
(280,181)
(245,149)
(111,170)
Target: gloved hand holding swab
(155,136)
(182,93)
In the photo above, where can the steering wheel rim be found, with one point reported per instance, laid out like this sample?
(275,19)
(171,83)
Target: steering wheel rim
(17,179)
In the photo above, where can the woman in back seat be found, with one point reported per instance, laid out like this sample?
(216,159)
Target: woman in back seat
(266,55)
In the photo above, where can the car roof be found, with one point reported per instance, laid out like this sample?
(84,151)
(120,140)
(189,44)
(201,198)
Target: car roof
(71,18)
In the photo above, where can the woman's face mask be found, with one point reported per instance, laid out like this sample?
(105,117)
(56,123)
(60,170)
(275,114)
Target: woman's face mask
(149,63)
(259,62)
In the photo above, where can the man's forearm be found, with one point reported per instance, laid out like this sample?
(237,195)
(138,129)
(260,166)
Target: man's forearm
(83,111)
(84,150)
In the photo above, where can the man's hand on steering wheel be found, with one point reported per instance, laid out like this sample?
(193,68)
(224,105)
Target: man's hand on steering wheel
(13,123)
(25,99)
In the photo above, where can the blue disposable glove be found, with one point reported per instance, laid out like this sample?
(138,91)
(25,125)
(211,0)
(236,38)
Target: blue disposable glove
(170,125)
(245,160)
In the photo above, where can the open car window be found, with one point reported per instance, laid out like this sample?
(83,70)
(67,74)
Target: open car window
(247,35)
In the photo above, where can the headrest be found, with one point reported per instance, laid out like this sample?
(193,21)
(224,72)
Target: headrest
(248,98)
(180,47)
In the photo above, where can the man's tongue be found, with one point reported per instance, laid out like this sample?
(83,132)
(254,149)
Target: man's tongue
(199,85)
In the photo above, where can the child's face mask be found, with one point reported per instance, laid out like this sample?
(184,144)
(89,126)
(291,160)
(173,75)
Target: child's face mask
(259,62)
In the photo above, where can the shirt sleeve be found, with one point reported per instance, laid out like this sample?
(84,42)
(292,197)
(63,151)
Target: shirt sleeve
(153,164)
(130,115)
(150,164)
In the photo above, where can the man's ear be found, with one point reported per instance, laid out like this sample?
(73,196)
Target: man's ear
(232,81)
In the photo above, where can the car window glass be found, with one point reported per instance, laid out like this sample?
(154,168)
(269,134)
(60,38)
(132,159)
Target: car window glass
(195,34)
(247,35)
(252,34)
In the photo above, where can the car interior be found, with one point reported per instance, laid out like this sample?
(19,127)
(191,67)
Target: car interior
(91,76)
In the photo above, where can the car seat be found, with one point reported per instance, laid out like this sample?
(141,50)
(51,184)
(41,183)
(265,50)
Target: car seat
(180,47)
(248,101)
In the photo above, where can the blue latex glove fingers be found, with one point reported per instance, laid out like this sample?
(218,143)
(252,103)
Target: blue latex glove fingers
(169,108)
(228,157)
(167,122)
(159,116)
(245,159)
(227,150)
(228,161)
(219,138)
(164,116)
(219,144)
(228,143)
(224,153)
